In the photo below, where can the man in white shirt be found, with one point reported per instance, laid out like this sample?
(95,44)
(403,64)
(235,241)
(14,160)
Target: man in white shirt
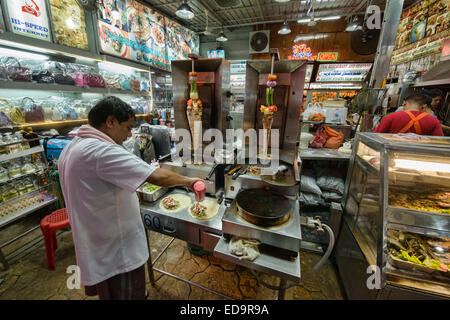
(99,179)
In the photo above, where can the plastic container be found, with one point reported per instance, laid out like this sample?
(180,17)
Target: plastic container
(199,190)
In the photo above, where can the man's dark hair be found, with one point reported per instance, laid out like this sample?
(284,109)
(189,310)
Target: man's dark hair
(435,93)
(428,99)
(110,106)
(418,98)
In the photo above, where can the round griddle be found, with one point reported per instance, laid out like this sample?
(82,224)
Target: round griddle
(262,207)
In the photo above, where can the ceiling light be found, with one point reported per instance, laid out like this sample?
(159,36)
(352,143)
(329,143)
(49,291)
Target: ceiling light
(282,0)
(184,11)
(222,37)
(353,26)
(330,18)
(284,28)
(303,20)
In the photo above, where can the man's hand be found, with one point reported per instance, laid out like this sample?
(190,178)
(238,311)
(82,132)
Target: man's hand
(190,183)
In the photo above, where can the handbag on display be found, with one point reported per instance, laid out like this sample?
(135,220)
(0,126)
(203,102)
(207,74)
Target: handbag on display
(16,72)
(79,75)
(72,114)
(56,114)
(135,85)
(124,82)
(34,112)
(61,75)
(43,75)
(48,113)
(5,106)
(112,81)
(65,112)
(95,80)
(13,114)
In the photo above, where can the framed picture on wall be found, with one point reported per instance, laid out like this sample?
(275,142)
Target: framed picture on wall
(418,31)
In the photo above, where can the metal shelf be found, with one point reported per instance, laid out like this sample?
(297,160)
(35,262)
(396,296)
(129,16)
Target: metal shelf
(22,153)
(17,85)
(419,221)
(18,177)
(11,217)
(365,166)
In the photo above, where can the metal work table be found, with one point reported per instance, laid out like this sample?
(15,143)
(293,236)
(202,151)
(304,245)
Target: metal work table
(323,154)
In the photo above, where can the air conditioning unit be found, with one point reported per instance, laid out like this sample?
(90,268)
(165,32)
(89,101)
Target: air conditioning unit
(259,42)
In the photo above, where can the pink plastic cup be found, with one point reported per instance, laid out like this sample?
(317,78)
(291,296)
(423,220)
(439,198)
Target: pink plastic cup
(199,190)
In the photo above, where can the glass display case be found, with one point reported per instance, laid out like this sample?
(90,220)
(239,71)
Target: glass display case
(162,111)
(397,206)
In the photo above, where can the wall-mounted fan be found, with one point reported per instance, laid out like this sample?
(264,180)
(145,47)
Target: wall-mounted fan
(365,41)
(88,4)
(259,41)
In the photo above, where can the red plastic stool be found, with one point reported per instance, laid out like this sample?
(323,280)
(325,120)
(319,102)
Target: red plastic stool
(56,220)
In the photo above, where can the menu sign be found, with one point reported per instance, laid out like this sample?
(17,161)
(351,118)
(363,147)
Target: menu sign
(422,20)
(343,72)
(180,41)
(334,86)
(130,30)
(29,18)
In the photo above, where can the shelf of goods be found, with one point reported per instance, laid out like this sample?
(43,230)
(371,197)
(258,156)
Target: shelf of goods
(397,205)
(64,93)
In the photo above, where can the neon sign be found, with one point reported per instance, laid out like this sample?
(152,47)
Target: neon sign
(327,56)
(302,52)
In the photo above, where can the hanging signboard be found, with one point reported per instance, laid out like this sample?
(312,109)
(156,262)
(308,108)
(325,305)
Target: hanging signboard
(130,30)
(302,52)
(327,56)
(29,18)
(180,41)
(343,72)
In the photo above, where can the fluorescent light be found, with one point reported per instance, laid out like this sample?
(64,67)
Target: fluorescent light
(284,28)
(282,1)
(184,11)
(307,20)
(310,37)
(22,54)
(422,165)
(330,18)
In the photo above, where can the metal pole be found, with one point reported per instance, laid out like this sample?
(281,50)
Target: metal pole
(149,261)
(282,292)
(386,43)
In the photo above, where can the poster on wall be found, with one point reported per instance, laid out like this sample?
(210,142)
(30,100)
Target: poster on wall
(131,30)
(69,23)
(180,41)
(29,18)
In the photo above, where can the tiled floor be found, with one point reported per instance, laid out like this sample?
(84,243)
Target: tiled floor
(28,277)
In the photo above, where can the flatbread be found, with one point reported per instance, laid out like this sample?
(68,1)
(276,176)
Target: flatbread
(212,209)
(185,202)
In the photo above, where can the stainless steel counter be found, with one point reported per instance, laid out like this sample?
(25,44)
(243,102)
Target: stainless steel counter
(323,154)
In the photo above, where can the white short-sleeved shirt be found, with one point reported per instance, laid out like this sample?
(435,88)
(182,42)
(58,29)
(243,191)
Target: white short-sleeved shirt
(99,182)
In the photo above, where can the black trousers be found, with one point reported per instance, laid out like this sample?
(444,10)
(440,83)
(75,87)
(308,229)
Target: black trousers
(124,286)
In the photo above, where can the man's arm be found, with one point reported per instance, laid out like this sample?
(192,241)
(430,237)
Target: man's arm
(437,131)
(167,178)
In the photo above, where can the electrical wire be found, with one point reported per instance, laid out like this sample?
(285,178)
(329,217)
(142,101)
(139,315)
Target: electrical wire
(309,273)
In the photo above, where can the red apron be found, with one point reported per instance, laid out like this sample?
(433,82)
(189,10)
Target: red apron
(414,122)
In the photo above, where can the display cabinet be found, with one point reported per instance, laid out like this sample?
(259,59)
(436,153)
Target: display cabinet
(397,206)
(162,107)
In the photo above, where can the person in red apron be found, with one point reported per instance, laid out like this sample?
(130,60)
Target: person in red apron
(412,119)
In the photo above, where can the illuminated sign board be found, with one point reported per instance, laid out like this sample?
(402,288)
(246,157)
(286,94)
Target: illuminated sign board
(327,56)
(302,52)
(29,18)
(343,72)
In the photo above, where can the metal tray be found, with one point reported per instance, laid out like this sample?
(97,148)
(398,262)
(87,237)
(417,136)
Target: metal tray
(410,266)
(154,195)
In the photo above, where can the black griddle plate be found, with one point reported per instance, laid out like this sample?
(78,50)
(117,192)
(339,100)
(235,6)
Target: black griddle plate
(262,207)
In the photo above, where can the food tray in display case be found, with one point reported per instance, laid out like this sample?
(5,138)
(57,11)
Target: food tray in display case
(397,197)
